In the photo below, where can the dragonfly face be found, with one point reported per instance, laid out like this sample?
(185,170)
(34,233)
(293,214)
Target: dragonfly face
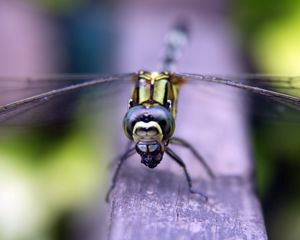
(150,128)
(151,152)
(150,119)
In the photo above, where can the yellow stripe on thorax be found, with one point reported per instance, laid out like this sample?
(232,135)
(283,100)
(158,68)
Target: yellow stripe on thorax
(154,88)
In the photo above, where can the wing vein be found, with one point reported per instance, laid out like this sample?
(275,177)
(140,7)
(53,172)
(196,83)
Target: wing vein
(50,94)
(290,100)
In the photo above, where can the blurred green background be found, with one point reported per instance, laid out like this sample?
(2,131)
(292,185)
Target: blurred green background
(271,39)
(48,178)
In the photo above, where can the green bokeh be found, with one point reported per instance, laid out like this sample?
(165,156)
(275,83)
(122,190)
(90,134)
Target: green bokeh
(271,37)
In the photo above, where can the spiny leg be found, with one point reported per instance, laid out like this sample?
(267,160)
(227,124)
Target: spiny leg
(177,159)
(183,143)
(126,155)
(117,158)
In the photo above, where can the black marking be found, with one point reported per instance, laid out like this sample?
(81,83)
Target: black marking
(166,92)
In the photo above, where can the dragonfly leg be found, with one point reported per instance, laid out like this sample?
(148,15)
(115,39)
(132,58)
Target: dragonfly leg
(178,160)
(116,159)
(129,152)
(183,143)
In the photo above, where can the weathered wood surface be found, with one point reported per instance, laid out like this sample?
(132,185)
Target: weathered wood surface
(155,204)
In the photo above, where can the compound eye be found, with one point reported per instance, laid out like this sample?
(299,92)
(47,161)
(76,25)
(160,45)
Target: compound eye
(130,119)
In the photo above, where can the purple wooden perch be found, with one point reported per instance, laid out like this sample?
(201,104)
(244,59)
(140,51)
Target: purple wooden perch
(156,204)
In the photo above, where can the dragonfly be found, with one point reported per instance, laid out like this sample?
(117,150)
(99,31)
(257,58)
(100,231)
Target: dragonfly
(149,122)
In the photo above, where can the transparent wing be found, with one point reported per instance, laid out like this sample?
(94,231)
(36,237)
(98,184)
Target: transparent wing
(13,88)
(36,93)
(278,88)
